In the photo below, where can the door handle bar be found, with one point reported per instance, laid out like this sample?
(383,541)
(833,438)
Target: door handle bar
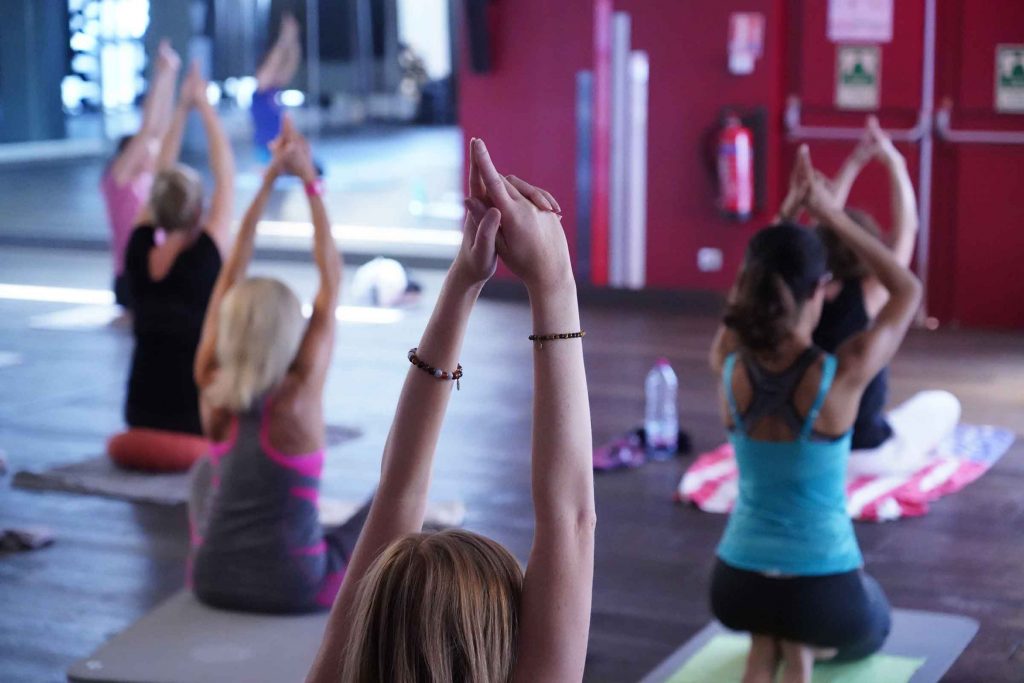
(944,129)
(797,131)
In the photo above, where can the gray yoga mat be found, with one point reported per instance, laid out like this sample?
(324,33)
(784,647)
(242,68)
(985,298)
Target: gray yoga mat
(99,477)
(183,641)
(937,638)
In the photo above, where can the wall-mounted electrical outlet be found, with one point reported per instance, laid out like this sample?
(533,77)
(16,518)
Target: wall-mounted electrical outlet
(709,259)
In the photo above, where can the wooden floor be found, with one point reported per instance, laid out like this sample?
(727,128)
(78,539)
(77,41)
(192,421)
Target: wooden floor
(114,561)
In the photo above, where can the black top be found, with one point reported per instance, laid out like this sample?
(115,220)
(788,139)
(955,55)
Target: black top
(773,391)
(842,318)
(168,319)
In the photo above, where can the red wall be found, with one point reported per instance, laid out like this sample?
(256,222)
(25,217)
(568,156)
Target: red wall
(689,86)
(525,111)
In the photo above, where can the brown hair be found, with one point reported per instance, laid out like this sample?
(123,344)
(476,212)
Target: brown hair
(177,198)
(843,261)
(781,269)
(436,608)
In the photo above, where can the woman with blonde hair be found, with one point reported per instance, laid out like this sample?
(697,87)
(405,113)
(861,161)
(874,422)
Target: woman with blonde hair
(171,262)
(455,606)
(258,543)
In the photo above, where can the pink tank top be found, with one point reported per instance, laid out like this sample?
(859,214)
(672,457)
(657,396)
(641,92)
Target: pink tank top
(124,202)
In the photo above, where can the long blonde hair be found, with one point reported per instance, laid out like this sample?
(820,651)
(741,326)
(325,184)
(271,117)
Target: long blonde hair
(436,608)
(258,335)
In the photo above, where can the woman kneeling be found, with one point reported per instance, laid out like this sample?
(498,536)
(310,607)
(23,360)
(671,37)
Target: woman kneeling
(258,542)
(789,568)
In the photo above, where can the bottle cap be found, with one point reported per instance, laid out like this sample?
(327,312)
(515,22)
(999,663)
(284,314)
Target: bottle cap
(662,361)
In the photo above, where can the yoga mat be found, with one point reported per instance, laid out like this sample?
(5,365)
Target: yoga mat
(99,477)
(921,649)
(184,641)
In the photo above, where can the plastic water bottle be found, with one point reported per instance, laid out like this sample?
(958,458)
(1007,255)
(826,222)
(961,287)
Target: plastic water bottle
(661,418)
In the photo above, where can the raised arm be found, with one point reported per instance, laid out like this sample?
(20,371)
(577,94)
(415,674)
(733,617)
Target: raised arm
(865,354)
(314,355)
(555,615)
(904,202)
(860,157)
(222,164)
(233,270)
(170,147)
(399,504)
(142,150)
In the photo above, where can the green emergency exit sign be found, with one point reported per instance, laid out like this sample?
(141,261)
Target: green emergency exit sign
(1010,79)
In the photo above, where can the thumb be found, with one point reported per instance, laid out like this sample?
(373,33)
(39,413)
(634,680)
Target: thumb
(287,127)
(487,233)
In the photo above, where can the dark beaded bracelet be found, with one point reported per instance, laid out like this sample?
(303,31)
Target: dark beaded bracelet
(455,375)
(541,338)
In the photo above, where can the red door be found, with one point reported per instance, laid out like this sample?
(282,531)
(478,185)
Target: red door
(972,233)
(978,223)
(814,117)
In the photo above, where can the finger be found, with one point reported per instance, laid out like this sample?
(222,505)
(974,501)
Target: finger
(551,199)
(476,183)
(476,208)
(287,127)
(530,192)
(514,193)
(487,233)
(495,185)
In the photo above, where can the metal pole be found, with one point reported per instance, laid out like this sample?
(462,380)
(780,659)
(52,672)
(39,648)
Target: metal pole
(926,156)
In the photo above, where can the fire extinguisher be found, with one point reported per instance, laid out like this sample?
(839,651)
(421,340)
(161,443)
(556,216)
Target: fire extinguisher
(735,169)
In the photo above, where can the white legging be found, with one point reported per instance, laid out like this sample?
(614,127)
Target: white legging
(918,426)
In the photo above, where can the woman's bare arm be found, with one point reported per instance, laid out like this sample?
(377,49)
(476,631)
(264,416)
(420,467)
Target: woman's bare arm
(314,355)
(555,612)
(143,148)
(233,270)
(222,165)
(862,356)
(400,502)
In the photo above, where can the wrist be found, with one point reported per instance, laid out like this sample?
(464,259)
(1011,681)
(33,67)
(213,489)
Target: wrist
(565,283)
(462,281)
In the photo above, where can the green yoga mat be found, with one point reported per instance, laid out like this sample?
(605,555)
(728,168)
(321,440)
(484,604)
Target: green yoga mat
(723,657)
(921,648)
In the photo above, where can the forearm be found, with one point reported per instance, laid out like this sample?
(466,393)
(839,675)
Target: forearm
(245,242)
(170,148)
(904,210)
(325,250)
(563,487)
(896,278)
(842,184)
(408,456)
(221,157)
(156,110)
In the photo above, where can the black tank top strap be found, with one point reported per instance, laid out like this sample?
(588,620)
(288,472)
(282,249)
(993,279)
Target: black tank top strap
(773,391)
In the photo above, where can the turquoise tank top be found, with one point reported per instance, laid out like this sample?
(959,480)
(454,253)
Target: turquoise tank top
(790,516)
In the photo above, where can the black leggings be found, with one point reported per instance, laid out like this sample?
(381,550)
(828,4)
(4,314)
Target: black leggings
(846,611)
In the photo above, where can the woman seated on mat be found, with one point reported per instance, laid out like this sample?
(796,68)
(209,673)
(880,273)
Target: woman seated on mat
(275,72)
(172,262)
(128,178)
(789,570)
(901,441)
(261,371)
(455,606)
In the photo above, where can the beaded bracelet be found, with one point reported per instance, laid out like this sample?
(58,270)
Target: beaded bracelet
(455,375)
(541,338)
